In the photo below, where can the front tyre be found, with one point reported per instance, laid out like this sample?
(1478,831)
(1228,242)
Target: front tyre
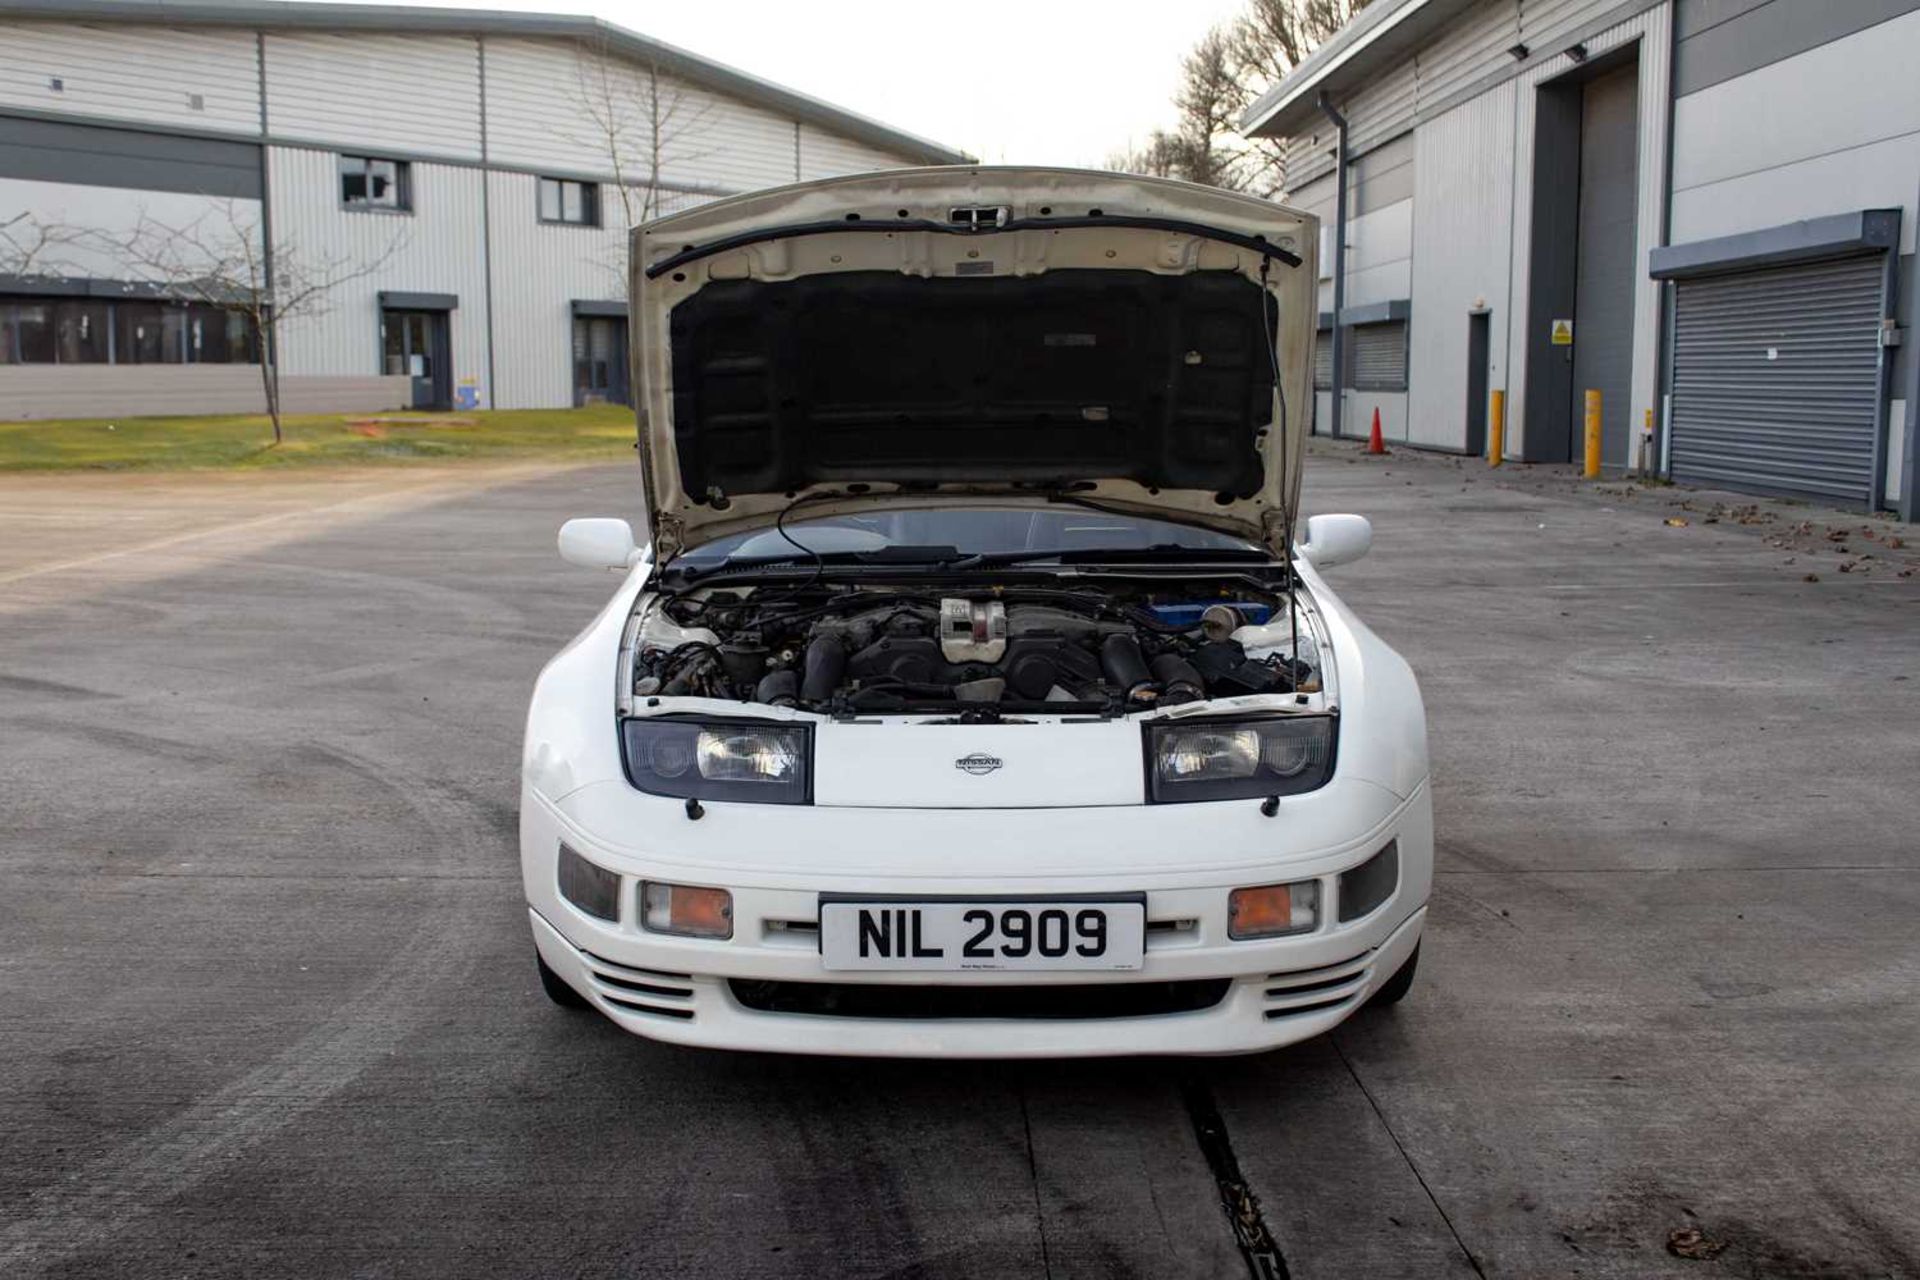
(1395,989)
(556,987)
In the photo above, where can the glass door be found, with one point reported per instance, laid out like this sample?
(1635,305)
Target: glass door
(599,360)
(414,345)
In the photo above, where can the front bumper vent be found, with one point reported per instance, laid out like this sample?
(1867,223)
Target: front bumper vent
(929,1003)
(1303,991)
(646,991)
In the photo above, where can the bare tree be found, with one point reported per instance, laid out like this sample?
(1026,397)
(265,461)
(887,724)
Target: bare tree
(220,259)
(33,248)
(1224,74)
(1163,156)
(642,122)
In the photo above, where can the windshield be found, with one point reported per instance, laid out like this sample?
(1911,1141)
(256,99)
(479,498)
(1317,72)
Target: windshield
(968,531)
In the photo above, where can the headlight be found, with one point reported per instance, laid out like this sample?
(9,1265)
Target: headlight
(1238,759)
(719,760)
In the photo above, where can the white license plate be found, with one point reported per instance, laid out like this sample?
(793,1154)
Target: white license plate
(1059,933)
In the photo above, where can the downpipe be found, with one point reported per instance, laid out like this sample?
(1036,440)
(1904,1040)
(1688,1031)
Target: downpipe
(1337,391)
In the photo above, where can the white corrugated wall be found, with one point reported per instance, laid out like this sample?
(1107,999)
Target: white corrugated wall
(1473,44)
(1380,253)
(435,249)
(1463,163)
(414,95)
(140,73)
(409,93)
(826,155)
(550,104)
(1383,110)
(539,270)
(1543,22)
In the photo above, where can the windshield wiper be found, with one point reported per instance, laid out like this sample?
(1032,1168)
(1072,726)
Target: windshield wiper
(1160,553)
(881,557)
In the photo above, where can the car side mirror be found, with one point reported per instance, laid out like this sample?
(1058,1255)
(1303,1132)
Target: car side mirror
(599,543)
(1333,540)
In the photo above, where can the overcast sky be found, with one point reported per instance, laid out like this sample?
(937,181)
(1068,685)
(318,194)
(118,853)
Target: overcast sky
(1017,81)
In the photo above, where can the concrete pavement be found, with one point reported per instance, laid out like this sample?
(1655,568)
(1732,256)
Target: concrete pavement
(270,1008)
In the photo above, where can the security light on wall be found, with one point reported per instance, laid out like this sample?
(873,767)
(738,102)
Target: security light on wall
(1577,52)
(1518,53)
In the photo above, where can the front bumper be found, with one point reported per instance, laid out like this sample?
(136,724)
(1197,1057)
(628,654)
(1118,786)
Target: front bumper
(1272,992)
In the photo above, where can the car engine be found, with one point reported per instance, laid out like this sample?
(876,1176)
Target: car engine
(869,650)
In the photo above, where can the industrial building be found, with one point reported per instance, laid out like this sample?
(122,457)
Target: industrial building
(467,178)
(1703,209)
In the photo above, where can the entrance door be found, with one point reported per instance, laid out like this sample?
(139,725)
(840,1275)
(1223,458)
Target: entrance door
(415,343)
(600,360)
(1605,274)
(1479,347)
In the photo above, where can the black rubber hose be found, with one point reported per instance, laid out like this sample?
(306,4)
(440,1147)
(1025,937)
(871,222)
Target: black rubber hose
(1125,666)
(1178,680)
(778,688)
(826,668)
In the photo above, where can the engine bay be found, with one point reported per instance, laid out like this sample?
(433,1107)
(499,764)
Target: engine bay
(975,652)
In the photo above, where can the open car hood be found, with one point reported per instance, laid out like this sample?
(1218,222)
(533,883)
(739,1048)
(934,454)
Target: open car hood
(956,334)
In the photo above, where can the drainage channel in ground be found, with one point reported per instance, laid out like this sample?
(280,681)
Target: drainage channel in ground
(1237,1201)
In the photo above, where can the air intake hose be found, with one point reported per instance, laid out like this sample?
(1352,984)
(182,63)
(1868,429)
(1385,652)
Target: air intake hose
(1179,682)
(1126,667)
(826,667)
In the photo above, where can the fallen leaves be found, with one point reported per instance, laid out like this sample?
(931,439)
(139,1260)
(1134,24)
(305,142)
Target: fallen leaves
(1694,1244)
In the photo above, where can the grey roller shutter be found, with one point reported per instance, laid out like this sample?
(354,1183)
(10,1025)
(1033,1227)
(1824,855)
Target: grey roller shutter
(1380,356)
(1776,378)
(1323,360)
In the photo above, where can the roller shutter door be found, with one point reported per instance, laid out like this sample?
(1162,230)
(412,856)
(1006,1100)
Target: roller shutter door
(1380,357)
(1776,378)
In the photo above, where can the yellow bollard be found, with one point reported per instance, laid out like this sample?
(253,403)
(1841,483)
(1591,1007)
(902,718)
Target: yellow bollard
(1646,445)
(1593,433)
(1497,429)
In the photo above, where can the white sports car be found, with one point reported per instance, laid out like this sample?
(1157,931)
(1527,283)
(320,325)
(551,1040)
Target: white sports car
(970,695)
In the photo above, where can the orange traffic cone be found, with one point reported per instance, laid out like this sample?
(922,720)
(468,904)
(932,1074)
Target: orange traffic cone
(1376,444)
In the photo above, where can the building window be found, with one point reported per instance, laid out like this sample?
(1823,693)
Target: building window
(80,332)
(1379,357)
(218,337)
(26,332)
(149,333)
(146,331)
(574,203)
(378,185)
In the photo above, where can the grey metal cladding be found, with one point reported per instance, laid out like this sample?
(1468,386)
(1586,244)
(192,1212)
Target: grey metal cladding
(394,300)
(1381,177)
(1691,17)
(1839,233)
(1903,356)
(1775,380)
(1722,39)
(140,160)
(1378,312)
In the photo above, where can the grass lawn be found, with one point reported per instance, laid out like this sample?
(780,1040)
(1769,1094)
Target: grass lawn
(246,440)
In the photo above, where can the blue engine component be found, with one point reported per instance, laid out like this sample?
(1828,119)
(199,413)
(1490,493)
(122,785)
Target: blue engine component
(1188,615)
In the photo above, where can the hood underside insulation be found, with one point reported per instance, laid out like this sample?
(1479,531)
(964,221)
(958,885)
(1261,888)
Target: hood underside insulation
(1042,380)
